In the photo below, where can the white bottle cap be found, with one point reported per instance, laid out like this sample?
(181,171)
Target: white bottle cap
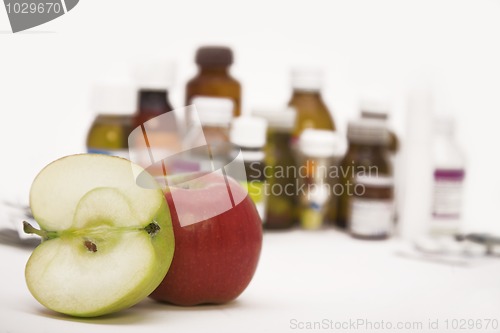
(248,132)
(319,143)
(374,107)
(309,79)
(367,131)
(115,93)
(277,118)
(213,110)
(154,74)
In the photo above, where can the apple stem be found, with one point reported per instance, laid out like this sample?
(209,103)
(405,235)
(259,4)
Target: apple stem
(29,229)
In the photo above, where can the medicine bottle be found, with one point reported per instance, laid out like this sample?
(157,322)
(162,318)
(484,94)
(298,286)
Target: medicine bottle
(248,135)
(378,109)
(318,151)
(154,79)
(114,101)
(312,111)
(371,208)
(448,179)
(281,170)
(207,140)
(213,78)
(366,155)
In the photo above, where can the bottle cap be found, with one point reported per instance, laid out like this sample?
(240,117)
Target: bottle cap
(374,108)
(214,56)
(114,94)
(214,110)
(248,132)
(310,79)
(319,143)
(154,74)
(277,118)
(367,131)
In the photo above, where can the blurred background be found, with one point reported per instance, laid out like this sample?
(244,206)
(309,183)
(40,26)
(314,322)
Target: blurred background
(46,73)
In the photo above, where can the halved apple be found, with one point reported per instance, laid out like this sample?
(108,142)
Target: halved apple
(107,242)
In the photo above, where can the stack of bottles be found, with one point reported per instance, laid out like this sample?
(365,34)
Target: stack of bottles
(296,170)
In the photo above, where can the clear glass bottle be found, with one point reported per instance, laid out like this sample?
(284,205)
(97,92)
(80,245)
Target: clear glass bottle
(280,172)
(366,155)
(114,100)
(312,112)
(248,134)
(448,176)
(318,153)
(213,78)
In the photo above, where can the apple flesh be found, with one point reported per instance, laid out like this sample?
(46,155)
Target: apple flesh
(107,242)
(215,259)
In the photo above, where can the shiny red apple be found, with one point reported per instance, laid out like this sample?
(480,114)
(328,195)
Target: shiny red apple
(218,240)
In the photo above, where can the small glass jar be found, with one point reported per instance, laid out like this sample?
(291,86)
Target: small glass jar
(366,155)
(371,209)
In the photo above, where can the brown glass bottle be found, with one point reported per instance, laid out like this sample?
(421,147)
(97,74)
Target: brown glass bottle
(366,155)
(213,78)
(162,133)
(152,103)
(311,110)
(371,209)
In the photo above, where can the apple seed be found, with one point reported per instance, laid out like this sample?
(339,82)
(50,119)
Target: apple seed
(90,246)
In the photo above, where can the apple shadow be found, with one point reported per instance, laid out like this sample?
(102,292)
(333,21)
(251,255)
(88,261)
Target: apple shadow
(145,311)
(152,305)
(125,317)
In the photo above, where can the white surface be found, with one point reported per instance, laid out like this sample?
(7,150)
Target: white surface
(307,276)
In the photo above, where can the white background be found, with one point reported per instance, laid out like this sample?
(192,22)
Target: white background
(46,72)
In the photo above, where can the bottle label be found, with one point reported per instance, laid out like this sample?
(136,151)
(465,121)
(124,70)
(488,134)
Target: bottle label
(448,187)
(371,217)
(112,152)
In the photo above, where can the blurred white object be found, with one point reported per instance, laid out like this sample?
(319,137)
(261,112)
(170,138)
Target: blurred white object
(307,78)
(248,132)
(417,166)
(213,111)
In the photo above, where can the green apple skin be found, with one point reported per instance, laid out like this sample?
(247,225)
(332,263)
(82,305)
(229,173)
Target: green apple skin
(69,278)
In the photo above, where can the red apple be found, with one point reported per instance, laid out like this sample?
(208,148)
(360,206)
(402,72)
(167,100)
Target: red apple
(218,239)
